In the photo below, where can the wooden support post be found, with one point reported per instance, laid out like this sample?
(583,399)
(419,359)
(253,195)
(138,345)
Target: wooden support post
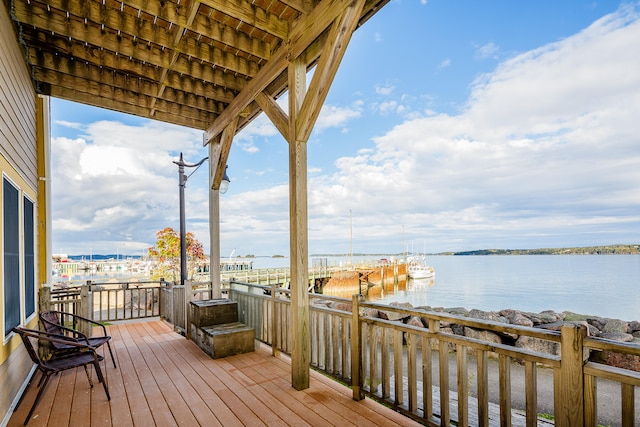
(298,234)
(571,387)
(356,349)
(214,243)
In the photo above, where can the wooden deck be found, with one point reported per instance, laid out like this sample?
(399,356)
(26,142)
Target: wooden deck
(163,379)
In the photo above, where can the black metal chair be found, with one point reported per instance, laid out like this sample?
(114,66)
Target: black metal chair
(82,356)
(52,323)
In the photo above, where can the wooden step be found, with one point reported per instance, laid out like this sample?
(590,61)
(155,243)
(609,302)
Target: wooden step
(224,340)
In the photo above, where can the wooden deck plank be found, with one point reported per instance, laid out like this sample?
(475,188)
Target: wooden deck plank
(158,407)
(120,414)
(163,379)
(81,396)
(206,385)
(194,402)
(240,408)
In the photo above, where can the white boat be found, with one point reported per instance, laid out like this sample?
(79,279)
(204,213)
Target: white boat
(418,269)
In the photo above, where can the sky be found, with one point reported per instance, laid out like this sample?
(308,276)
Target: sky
(450,126)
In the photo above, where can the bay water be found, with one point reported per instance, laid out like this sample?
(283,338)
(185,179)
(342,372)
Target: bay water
(598,285)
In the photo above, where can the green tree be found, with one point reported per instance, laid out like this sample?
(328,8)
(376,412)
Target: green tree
(167,253)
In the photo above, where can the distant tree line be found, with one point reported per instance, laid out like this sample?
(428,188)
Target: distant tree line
(588,250)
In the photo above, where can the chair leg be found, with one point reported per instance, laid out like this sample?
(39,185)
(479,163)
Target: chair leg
(46,375)
(101,379)
(88,376)
(27,388)
(41,380)
(111,353)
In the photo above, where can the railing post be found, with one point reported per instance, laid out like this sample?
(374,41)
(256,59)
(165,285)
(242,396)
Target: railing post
(275,327)
(356,349)
(45,298)
(571,386)
(188,296)
(84,308)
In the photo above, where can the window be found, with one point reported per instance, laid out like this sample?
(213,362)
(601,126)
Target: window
(29,258)
(11,241)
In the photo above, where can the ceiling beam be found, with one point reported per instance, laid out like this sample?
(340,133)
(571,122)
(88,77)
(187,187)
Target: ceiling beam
(174,117)
(255,16)
(304,33)
(332,54)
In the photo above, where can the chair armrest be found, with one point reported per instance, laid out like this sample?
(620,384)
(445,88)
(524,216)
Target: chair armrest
(77,335)
(77,316)
(55,338)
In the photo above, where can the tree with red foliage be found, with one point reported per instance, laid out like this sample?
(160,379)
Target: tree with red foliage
(167,253)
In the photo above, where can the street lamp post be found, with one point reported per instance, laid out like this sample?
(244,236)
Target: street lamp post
(182,181)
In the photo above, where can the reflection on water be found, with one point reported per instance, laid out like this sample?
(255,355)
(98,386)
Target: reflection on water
(376,292)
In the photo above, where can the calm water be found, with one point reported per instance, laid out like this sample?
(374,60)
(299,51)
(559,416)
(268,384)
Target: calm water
(599,285)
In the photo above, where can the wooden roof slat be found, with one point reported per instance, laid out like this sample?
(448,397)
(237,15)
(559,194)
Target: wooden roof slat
(205,53)
(246,12)
(303,6)
(124,43)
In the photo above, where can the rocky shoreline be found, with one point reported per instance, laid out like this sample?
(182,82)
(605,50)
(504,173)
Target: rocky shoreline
(600,327)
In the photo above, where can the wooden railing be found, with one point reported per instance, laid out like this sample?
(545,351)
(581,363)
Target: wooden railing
(387,361)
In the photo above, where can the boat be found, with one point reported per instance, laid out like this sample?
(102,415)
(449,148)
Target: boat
(417,268)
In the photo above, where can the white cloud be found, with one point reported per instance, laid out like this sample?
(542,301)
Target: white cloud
(487,50)
(445,63)
(545,151)
(385,90)
(71,125)
(118,184)
(332,116)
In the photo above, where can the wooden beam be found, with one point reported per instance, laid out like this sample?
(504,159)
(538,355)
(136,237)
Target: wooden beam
(304,32)
(298,233)
(332,54)
(244,11)
(302,6)
(276,114)
(131,91)
(223,153)
(110,104)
